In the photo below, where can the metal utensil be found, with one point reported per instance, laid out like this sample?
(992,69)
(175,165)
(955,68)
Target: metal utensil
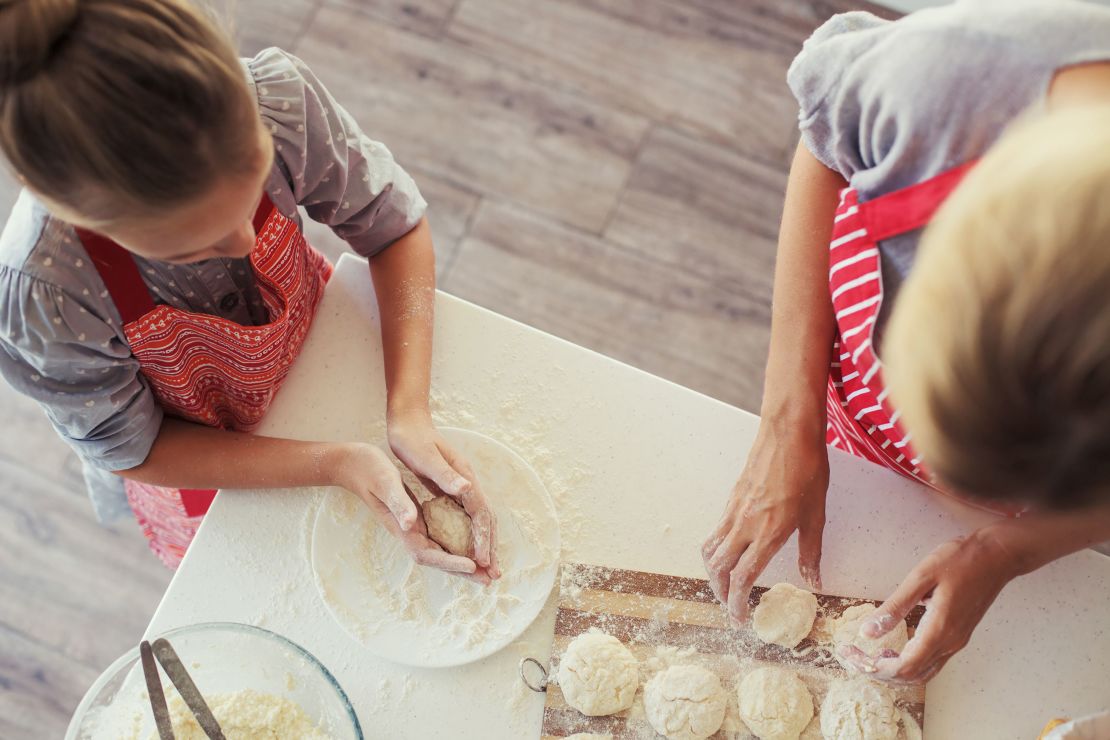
(540,686)
(154,692)
(188,690)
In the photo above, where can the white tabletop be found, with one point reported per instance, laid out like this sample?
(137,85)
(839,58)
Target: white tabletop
(639,468)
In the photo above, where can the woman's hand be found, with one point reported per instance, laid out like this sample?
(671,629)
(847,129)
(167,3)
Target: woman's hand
(958,582)
(367,472)
(782,488)
(423,450)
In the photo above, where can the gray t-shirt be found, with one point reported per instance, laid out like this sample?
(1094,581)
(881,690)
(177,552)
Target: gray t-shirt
(61,342)
(889,104)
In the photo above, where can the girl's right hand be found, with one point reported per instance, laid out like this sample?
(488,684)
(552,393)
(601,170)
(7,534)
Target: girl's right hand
(781,489)
(367,472)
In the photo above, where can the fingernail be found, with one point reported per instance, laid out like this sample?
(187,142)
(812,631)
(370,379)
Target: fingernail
(459,485)
(874,627)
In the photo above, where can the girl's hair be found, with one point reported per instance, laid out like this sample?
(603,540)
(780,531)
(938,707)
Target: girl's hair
(998,351)
(116,108)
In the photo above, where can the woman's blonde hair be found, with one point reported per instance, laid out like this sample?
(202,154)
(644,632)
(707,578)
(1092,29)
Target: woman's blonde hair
(998,350)
(115,108)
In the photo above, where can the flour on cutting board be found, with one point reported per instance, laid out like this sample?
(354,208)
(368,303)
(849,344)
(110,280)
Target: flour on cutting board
(675,624)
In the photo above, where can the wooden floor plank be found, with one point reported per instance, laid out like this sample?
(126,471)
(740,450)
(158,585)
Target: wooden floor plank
(614,300)
(445,110)
(702,208)
(733,93)
(427,17)
(257,24)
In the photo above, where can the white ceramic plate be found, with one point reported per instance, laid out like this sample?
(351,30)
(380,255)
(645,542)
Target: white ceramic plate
(422,617)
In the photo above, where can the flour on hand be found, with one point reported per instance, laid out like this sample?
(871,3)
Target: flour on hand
(847,633)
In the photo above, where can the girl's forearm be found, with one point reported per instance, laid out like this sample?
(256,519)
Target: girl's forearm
(802,317)
(405,283)
(1037,539)
(187,455)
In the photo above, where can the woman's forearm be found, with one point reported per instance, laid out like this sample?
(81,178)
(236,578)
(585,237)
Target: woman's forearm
(1035,540)
(405,283)
(187,455)
(802,317)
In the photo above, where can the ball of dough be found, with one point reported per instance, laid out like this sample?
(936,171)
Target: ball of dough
(858,709)
(775,704)
(598,674)
(448,525)
(847,633)
(685,702)
(785,615)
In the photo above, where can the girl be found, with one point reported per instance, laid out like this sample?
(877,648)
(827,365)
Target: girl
(1003,375)
(155,286)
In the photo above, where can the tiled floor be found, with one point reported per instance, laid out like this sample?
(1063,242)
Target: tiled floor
(607,170)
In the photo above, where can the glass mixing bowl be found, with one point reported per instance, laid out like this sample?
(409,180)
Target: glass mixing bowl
(222,657)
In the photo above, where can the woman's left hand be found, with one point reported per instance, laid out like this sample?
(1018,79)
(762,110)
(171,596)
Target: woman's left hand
(958,582)
(423,450)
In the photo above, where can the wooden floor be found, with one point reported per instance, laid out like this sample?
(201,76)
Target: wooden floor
(607,170)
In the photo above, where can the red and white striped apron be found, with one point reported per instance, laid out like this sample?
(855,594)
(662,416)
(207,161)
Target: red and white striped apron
(861,419)
(207,369)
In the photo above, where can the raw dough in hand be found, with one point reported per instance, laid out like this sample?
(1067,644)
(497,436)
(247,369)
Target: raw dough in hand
(598,674)
(858,709)
(775,704)
(847,633)
(685,702)
(785,615)
(448,525)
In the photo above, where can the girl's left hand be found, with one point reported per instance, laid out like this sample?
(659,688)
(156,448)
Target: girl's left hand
(958,582)
(423,450)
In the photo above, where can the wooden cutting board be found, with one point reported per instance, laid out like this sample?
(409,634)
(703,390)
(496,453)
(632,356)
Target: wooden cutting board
(666,619)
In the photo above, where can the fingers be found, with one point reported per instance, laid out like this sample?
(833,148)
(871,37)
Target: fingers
(483,521)
(912,590)
(743,576)
(427,553)
(722,560)
(434,466)
(809,549)
(391,491)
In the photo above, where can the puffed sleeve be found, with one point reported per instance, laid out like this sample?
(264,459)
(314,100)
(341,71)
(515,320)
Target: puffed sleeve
(55,349)
(342,177)
(829,116)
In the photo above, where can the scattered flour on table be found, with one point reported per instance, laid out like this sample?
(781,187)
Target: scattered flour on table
(245,715)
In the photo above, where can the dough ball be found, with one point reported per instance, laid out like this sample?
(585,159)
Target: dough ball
(775,704)
(598,675)
(448,525)
(685,702)
(858,709)
(785,615)
(847,633)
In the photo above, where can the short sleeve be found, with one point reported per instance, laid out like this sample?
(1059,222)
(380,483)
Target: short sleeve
(75,364)
(816,78)
(341,176)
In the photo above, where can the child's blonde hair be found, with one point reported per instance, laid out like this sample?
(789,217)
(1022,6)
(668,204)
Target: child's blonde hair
(998,350)
(114,108)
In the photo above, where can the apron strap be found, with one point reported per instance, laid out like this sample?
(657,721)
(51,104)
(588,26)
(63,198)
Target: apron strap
(910,208)
(120,275)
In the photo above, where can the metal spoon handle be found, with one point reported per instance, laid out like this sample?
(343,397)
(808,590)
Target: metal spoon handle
(175,669)
(154,692)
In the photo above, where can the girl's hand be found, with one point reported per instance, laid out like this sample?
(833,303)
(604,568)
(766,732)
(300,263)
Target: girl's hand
(958,582)
(423,450)
(782,488)
(367,472)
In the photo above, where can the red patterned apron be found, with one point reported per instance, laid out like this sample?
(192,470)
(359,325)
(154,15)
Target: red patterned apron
(861,419)
(207,369)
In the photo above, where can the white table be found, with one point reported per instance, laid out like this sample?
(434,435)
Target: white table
(639,468)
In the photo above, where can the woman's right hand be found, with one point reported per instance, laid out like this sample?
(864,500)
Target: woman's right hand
(367,472)
(781,489)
